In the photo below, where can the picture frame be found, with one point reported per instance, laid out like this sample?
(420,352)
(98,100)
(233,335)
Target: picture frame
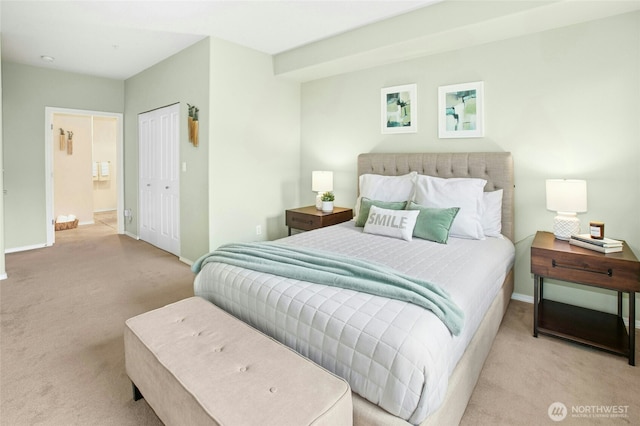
(399,109)
(461,110)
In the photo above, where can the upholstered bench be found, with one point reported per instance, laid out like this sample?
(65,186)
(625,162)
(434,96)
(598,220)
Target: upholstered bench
(197,365)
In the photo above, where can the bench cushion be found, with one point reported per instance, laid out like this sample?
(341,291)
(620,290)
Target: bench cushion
(196,364)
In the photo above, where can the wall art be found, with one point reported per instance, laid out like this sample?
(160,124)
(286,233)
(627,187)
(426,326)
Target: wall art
(399,107)
(461,110)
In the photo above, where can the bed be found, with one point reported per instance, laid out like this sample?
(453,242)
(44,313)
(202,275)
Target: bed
(378,343)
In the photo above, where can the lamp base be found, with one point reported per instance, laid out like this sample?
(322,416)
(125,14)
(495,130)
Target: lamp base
(566,225)
(319,200)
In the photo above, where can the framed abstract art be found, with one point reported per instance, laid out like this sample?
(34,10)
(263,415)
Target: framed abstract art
(399,109)
(461,110)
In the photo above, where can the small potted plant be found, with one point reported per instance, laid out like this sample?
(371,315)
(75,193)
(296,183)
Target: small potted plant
(327,202)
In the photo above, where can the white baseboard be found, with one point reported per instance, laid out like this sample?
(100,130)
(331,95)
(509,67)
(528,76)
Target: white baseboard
(522,297)
(529,299)
(185,260)
(3,277)
(25,248)
(129,234)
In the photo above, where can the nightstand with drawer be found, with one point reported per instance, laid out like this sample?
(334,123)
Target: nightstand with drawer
(309,218)
(557,259)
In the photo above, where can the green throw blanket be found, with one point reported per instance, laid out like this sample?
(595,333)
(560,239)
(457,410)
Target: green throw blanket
(340,271)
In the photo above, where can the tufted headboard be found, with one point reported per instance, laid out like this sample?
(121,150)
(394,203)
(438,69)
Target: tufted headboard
(495,167)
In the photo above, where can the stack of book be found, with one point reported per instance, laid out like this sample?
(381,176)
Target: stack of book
(605,245)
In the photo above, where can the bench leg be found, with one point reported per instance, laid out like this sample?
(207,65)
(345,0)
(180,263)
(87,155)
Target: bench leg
(136,392)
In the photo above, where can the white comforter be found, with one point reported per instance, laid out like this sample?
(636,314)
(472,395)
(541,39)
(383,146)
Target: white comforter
(394,354)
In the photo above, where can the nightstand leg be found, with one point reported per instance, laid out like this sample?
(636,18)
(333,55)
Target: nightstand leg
(620,304)
(632,328)
(537,291)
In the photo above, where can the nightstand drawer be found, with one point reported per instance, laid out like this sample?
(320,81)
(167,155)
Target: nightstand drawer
(305,222)
(310,218)
(563,261)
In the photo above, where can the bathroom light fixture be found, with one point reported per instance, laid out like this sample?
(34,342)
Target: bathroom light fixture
(47,58)
(321,182)
(567,197)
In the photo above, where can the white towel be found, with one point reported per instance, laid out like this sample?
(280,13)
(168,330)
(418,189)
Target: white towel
(65,218)
(104,169)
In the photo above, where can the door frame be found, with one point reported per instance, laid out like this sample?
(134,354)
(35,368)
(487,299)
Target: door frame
(48,164)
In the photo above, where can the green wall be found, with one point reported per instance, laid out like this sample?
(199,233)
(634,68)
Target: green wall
(245,172)
(183,78)
(255,146)
(243,175)
(26,92)
(564,102)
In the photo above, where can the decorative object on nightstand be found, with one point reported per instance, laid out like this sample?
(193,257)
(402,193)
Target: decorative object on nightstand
(310,218)
(596,230)
(567,197)
(559,260)
(327,202)
(321,182)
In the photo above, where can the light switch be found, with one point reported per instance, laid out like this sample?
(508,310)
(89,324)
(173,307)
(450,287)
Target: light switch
(184,166)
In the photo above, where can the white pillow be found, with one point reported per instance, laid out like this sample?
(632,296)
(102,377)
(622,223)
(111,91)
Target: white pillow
(465,193)
(391,223)
(492,213)
(386,188)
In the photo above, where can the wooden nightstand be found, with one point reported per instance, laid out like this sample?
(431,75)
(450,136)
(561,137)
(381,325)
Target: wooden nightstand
(308,218)
(556,259)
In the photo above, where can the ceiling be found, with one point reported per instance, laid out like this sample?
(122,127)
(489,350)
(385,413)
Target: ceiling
(118,39)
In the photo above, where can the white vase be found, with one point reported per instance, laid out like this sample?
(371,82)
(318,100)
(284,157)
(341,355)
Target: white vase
(327,206)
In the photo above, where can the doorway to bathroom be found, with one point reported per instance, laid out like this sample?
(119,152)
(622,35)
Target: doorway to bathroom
(84,170)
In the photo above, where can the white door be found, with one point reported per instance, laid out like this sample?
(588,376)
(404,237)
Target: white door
(159,157)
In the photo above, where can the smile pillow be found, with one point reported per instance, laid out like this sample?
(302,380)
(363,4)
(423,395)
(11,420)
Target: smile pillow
(391,223)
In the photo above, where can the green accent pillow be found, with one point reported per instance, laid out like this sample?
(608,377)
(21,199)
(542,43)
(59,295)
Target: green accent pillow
(365,206)
(433,224)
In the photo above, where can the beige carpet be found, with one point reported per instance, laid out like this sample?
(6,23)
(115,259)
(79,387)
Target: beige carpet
(63,313)
(109,218)
(61,350)
(524,375)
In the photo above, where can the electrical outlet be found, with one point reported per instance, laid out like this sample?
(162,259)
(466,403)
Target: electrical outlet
(258,230)
(127,213)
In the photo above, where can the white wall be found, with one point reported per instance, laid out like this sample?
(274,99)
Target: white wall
(254,160)
(564,102)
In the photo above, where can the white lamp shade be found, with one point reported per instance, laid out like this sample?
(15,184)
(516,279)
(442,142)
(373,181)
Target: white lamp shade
(321,181)
(567,195)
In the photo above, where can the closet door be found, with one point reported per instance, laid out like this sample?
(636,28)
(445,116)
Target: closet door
(159,197)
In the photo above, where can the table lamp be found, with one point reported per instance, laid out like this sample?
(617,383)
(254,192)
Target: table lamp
(567,197)
(321,182)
